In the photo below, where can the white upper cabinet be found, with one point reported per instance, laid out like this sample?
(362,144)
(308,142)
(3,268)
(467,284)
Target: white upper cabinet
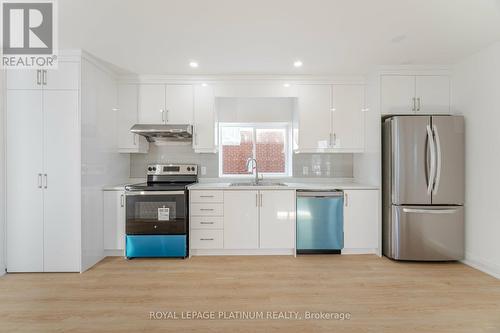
(23,79)
(65,77)
(397,94)
(152,104)
(410,94)
(433,94)
(277,219)
(204,119)
(314,117)
(179,104)
(330,118)
(348,107)
(165,104)
(128,116)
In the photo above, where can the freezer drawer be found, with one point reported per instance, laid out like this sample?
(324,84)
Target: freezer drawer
(427,233)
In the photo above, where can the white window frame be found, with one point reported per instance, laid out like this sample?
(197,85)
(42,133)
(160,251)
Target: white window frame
(274,125)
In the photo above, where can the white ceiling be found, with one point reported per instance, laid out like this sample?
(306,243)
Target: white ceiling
(266,36)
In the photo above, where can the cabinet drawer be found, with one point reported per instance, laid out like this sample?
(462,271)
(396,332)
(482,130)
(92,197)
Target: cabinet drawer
(207,222)
(207,209)
(207,196)
(207,239)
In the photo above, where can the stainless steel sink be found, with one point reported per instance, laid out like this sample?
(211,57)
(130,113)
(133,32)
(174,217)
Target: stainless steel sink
(261,183)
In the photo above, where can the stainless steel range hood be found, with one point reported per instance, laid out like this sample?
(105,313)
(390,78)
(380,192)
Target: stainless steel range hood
(164,133)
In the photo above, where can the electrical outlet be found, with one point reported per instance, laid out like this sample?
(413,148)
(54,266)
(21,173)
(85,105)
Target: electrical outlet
(305,171)
(203,171)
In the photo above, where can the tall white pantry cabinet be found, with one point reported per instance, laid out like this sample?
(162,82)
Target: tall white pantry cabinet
(45,159)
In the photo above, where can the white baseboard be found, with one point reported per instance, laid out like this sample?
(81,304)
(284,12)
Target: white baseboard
(482,265)
(255,252)
(114,253)
(359,251)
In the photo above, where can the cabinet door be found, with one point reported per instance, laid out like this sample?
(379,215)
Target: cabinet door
(397,94)
(114,220)
(433,94)
(241,220)
(24,166)
(277,219)
(179,104)
(152,104)
(204,119)
(348,117)
(65,77)
(127,117)
(361,220)
(315,119)
(61,181)
(23,79)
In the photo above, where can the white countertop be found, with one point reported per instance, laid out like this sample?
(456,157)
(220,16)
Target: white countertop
(293,184)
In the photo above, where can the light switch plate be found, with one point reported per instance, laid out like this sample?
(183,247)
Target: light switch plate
(203,171)
(305,171)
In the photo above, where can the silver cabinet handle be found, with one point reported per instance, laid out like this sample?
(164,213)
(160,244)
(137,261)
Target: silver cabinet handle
(162,115)
(167,115)
(134,139)
(256,200)
(46,181)
(207,209)
(260,195)
(206,239)
(207,222)
(414,107)
(122,200)
(331,140)
(44,77)
(334,139)
(418,104)
(206,196)
(432,172)
(38,79)
(39,180)
(346,199)
(438,160)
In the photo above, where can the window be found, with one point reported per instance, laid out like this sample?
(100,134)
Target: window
(266,142)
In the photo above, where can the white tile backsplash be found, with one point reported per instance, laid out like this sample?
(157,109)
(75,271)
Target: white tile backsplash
(317,165)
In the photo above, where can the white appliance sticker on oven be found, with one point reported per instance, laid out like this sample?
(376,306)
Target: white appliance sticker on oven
(163,214)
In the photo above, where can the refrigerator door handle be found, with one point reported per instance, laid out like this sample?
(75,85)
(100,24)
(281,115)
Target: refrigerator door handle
(432,173)
(438,160)
(430,211)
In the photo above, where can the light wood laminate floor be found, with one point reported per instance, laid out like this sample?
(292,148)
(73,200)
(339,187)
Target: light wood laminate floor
(381,295)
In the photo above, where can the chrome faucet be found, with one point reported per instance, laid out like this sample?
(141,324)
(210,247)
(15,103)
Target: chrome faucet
(254,168)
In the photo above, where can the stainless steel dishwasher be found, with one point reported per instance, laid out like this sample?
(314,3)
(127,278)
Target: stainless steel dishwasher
(320,222)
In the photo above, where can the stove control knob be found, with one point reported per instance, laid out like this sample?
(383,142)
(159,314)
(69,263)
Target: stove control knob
(150,169)
(189,168)
(154,168)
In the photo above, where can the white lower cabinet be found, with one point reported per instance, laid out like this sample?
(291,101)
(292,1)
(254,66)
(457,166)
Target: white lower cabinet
(277,219)
(251,221)
(361,215)
(114,220)
(241,219)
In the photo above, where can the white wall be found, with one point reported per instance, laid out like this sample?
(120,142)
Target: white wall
(476,92)
(101,163)
(2,176)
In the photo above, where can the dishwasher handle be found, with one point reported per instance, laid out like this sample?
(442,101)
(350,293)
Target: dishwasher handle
(320,194)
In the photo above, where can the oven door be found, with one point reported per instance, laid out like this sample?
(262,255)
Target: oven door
(156,213)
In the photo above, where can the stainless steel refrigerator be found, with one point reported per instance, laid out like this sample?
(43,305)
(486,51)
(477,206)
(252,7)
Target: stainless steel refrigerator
(423,187)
